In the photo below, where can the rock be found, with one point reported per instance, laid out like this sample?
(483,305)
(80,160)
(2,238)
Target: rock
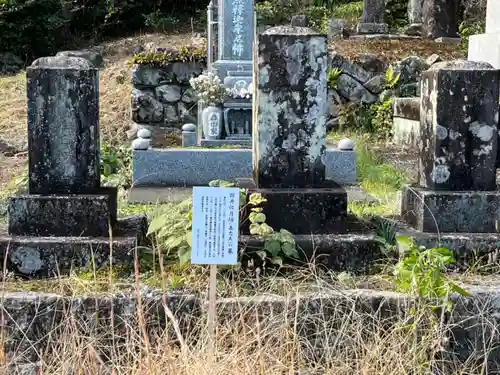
(189,128)
(336,28)
(371,63)
(185,114)
(440,18)
(376,84)
(94,57)
(348,68)
(332,124)
(433,59)
(415,29)
(353,90)
(145,108)
(410,69)
(409,90)
(346,144)
(10,63)
(140,144)
(333,103)
(372,28)
(171,116)
(462,65)
(299,20)
(144,133)
(168,93)
(132,133)
(184,71)
(143,75)
(189,96)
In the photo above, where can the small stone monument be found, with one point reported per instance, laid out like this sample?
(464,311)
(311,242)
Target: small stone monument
(373,19)
(457,151)
(440,18)
(486,47)
(290,105)
(66,216)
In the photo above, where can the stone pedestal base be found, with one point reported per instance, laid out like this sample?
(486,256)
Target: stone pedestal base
(436,211)
(223,67)
(485,47)
(304,211)
(39,257)
(62,215)
(372,28)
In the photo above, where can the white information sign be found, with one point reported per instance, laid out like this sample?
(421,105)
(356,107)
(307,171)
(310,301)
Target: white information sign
(215,225)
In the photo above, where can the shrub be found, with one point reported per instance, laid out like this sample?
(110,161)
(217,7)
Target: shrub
(396,13)
(32,28)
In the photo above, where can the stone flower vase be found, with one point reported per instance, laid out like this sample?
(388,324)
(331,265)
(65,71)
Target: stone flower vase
(211,118)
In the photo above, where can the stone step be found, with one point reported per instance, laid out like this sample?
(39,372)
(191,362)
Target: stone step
(42,257)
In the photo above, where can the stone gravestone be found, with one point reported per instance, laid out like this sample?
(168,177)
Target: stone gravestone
(290,108)
(236,32)
(235,36)
(457,151)
(65,199)
(440,18)
(486,47)
(373,19)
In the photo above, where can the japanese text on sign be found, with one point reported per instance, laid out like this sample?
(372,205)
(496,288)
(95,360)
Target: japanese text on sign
(215,225)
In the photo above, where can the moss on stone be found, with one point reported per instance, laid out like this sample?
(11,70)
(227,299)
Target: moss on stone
(162,57)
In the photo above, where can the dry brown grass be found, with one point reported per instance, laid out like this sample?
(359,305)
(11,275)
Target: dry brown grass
(252,339)
(393,50)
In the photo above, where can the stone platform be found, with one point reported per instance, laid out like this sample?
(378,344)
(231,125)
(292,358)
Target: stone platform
(437,211)
(62,215)
(43,256)
(197,166)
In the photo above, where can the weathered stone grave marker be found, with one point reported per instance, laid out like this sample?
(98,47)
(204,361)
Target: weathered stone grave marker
(457,151)
(486,47)
(289,132)
(373,19)
(440,18)
(65,200)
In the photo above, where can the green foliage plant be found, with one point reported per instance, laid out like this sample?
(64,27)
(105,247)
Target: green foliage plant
(421,273)
(171,229)
(332,76)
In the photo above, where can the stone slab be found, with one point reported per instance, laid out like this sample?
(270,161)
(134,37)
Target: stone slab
(163,194)
(492,20)
(313,211)
(39,257)
(451,211)
(61,215)
(485,47)
(408,108)
(384,36)
(63,126)
(448,40)
(372,28)
(222,67)
(197,167)
(245,143)
(405,132)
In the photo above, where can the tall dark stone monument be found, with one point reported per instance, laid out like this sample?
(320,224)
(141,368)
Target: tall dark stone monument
(440,18)
(457,151)
(290,107)
(67,216)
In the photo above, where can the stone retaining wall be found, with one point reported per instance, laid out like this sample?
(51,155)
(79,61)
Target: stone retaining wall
(163,96)
(36,323)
